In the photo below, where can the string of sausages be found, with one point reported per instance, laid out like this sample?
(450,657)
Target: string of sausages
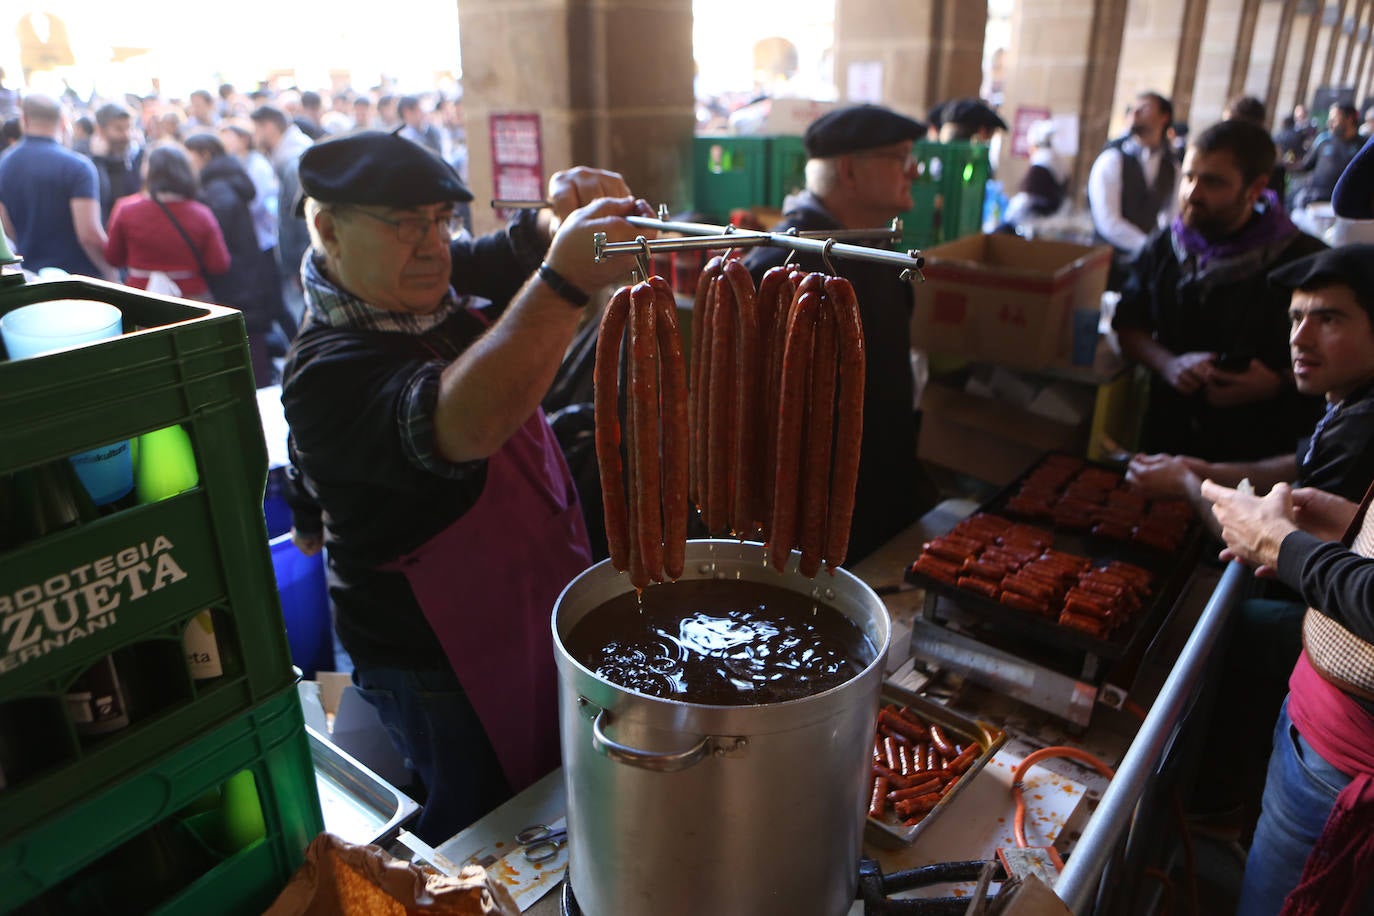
(765,438)
(645,498)
(776,409)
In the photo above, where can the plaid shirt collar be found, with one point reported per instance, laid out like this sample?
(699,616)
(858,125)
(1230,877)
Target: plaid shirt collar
(334,306)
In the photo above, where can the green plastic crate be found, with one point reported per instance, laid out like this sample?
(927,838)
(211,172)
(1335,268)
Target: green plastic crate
(205,548)
(947,194)
(786,169)
(728,173)
(270,741)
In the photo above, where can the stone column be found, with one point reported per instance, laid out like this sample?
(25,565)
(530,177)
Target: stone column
(1191,30)
(1264,53)
(1244,48)
(611,81)
(930,50)
(1310,26)
(1351,41)
(1224,46)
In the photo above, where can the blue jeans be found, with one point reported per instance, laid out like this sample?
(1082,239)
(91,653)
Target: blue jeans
(1298,796)
(433,725)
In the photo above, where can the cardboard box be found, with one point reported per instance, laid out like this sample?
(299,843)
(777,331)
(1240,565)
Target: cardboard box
(1008,300)
(987,438)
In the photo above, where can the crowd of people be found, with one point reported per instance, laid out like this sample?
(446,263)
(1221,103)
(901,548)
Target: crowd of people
(421,458)
(194,197)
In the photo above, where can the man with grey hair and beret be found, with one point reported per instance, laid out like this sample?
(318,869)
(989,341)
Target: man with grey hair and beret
(412,391)
(858,176)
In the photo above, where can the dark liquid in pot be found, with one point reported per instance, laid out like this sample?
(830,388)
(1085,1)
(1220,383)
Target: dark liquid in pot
(721,643)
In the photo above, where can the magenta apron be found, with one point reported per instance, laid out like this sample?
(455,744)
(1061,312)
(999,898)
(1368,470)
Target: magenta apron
(487,585)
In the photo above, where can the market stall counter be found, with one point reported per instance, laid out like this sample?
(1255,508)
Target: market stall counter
(973,824)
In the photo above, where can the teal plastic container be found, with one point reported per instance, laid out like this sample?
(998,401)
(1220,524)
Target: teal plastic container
(129,583)
(269,742)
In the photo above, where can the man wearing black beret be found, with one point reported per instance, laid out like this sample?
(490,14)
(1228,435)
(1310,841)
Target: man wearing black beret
(969,119)
(858,176)
(422,459)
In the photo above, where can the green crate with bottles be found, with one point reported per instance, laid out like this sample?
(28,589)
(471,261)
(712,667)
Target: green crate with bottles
(218,826)
(947,194)
(728,173)
(138,607)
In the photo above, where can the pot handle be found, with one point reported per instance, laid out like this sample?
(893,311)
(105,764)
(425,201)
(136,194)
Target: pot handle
(654,760)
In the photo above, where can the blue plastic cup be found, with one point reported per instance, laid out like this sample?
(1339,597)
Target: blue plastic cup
(33,330)
(58,324)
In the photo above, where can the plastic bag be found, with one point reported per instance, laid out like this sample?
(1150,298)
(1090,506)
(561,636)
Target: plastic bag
(342,878)
(159,283)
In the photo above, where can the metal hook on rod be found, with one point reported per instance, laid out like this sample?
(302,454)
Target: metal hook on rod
(644,258)
(825,257)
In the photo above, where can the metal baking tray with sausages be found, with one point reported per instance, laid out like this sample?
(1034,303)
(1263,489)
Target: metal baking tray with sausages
(1068,589)
(923,756)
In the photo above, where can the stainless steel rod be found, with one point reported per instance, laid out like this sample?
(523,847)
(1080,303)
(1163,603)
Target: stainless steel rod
(1078,883)
(887,233)
(745,238)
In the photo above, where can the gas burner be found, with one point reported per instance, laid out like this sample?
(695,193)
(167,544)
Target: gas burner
(874,888)
(569,905)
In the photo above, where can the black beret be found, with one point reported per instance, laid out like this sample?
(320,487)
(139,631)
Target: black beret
(1354,194)
(973,113)
(377,168)
(1351,265)
(857,128)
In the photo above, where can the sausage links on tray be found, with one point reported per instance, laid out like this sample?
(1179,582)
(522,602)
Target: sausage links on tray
(1016,565)
(914,766)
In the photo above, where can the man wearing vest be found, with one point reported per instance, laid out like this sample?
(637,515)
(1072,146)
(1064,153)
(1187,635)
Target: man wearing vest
(1313,850)
(1131,185)
(1198,312)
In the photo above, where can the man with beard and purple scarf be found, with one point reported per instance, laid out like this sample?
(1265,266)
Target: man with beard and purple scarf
(1198,312)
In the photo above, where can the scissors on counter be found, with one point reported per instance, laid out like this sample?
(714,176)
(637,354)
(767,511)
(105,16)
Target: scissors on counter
(541,842)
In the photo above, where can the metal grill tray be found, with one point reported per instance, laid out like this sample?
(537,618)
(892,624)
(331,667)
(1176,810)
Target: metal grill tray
(969,731)
(1170,569)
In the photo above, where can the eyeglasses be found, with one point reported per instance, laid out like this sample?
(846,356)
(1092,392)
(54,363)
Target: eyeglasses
(413,229)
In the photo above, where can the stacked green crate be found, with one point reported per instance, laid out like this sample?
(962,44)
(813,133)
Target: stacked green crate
(127,586)
(786,169)
(947,194)
(728,173)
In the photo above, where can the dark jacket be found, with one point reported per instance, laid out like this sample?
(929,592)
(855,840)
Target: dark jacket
(119,177)
(886,499)
(251,284)
(1241,316)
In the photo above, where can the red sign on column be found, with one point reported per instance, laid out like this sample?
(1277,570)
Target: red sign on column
(517,158)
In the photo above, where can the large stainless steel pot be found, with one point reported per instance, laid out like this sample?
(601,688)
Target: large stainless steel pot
(680,808)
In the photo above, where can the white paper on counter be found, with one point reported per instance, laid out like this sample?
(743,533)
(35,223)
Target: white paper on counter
(491,841)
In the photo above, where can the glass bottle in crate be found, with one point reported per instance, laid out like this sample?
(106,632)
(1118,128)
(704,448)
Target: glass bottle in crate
(97,702)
